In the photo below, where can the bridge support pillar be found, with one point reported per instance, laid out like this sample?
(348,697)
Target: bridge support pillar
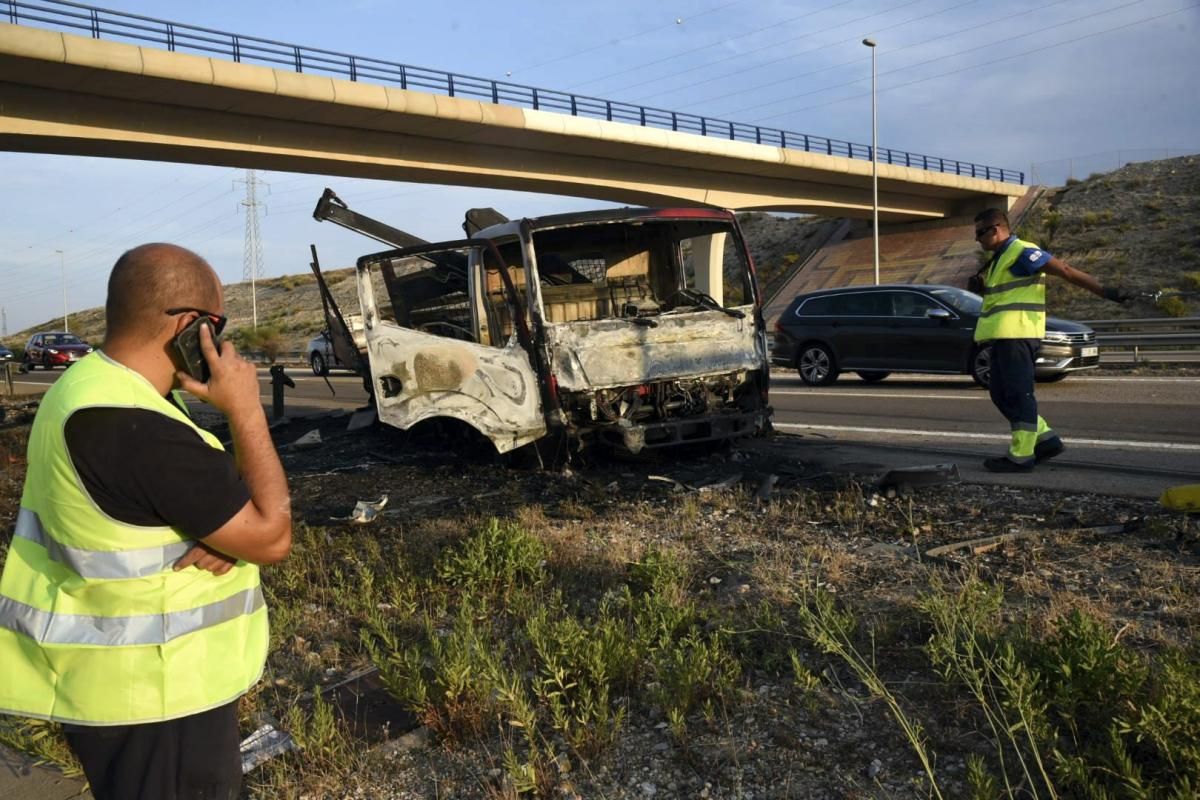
(708,254)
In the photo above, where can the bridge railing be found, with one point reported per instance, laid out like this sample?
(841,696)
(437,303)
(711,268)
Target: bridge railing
(102,23)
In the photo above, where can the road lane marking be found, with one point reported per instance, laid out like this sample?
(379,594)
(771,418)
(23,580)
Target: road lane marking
(837,393)
(1110,443)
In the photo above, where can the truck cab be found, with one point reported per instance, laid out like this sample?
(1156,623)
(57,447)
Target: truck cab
(632,328)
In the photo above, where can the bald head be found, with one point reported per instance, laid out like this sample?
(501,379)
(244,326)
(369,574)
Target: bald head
(148,280)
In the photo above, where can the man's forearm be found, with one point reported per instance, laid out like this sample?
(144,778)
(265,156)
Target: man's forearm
(1075,276)
(259,466)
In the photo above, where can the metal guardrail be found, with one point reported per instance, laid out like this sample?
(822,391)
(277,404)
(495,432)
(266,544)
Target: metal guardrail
(1154,323)
(1163,334)
(102,23)
(1183,339)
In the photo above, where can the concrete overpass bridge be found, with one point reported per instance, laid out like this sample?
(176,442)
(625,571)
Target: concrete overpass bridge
(72,94)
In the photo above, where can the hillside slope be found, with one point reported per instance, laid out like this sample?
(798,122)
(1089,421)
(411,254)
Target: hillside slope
(1138,226)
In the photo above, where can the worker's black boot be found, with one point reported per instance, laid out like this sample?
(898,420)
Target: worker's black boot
(1002,464)
(1048,449)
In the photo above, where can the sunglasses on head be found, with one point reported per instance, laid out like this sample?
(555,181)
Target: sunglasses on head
(982,232)
(218,320)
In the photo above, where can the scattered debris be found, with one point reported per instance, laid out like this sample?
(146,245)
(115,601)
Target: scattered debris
(363,418)
(765,487)
(263,745)
(679,487)
(723,485)
(364,511)
(980,545)
(309,441)
(905,479)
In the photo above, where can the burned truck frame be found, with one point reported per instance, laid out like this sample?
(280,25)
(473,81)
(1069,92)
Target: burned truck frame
(580,328)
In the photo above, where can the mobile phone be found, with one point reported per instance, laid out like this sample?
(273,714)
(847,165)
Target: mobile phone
(187,345)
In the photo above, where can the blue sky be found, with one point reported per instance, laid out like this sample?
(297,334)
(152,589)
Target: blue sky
(1059,84)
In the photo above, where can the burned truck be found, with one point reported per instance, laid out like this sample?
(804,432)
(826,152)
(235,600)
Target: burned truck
(632,328)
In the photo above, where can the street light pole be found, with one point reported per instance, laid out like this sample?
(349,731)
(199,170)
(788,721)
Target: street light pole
(62,265)
(874,159)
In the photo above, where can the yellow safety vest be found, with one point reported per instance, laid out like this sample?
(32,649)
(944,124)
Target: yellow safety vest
(95,626)
(1014,306)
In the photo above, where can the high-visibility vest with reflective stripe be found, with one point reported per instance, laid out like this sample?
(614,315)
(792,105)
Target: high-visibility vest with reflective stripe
(95,626)
(1014,306)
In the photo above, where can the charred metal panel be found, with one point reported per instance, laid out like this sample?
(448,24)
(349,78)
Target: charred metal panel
(607,353)
(418,376)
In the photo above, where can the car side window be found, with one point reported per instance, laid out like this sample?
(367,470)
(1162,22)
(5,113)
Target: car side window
(817,307)
(864,304)
(911,304)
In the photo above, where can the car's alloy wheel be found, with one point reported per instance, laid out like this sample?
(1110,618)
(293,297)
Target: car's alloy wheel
(981,366)
(816,365)
(317,361)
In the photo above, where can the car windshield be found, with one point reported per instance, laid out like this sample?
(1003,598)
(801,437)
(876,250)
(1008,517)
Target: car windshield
(63,338)
(959,299)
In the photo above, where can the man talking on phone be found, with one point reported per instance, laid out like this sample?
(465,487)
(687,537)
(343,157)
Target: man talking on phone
(130,605)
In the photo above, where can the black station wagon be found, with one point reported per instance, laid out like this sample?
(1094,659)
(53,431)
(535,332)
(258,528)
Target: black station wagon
(877,330)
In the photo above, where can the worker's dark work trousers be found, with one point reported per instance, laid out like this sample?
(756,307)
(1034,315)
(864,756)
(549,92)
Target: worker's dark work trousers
(1011,384)
(191,758)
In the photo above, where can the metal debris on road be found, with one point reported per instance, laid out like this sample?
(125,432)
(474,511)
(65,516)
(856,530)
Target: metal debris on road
(263,745)
(364,511)
(905,479)
(309,441)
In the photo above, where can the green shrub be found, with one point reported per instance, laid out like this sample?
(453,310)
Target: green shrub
(498,560)
(1173,306)
(266,339)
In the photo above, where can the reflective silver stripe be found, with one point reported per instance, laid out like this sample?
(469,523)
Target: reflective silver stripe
(1025,426)
(1046,434)
(1004,287)
(103,564)
(144,629)
(1013,307)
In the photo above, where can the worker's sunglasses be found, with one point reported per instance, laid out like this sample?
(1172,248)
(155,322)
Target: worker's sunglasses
(218,320)
(982,232)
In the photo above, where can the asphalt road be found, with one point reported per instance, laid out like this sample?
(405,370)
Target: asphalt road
(1124,434)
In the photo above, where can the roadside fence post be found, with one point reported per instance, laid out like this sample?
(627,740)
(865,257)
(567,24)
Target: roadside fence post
(278,381)
(8,379)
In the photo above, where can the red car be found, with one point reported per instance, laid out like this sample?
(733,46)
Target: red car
(49,350)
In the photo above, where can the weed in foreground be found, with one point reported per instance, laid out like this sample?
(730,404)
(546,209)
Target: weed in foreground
(1074,713)
(43,741)
(507,656)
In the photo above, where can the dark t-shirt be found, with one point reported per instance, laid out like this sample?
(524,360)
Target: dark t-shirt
(144,468)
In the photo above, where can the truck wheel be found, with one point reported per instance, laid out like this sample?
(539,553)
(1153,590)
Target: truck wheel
(317,361)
